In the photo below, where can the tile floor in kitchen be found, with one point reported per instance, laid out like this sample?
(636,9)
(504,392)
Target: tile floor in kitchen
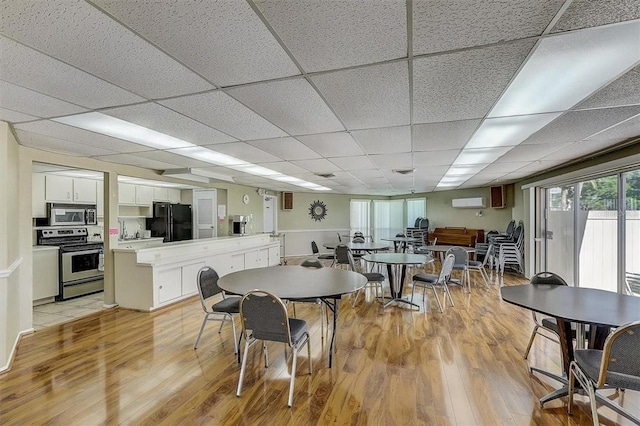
(59,312)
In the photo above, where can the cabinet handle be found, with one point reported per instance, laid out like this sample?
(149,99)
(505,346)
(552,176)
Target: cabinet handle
(160,288)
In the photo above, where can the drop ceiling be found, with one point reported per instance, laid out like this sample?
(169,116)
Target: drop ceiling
(356,89)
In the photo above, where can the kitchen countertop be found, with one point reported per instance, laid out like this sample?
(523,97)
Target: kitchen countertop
(138,240)
(43,248)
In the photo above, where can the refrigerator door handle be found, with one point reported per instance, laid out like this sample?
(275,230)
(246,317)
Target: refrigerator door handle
(169,224)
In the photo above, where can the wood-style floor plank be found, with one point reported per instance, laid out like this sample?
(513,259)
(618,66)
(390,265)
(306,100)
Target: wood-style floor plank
(391,366)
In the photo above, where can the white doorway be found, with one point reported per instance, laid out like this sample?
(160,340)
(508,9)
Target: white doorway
(269,213)
(205,206)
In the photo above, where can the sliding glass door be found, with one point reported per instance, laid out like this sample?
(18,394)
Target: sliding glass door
(559,235)
(632,232)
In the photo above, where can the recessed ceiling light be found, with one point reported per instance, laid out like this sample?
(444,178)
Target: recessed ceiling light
(325,175)
(403,171)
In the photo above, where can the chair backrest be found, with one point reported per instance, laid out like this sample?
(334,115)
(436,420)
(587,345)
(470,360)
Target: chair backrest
(352,263)
(620,354)
(358,237)
(510,228)
(207,283)
(266,316)
(339,237)
(314,247)
(342,254)
(445,270)
(547,278)
(460,254)
(311,263)
(487,255)
(435,241)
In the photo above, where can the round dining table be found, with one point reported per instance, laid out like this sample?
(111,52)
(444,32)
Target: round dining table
(397,267)
(367,246)
(599,308)
(400,243)
(297,282)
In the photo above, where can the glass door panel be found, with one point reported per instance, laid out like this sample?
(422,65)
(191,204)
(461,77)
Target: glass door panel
(632,232)
(559,236)
(597,233)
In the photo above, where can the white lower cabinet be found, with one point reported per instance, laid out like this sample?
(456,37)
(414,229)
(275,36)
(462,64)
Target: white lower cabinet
(190,278)
(251,259)
(263,257)
(45,273)
(274,256)
(169,283)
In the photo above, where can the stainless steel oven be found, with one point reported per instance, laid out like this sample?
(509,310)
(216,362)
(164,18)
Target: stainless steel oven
(81,269)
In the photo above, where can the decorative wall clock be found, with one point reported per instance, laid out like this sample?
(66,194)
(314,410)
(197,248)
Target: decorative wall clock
(245,199)
(318,210)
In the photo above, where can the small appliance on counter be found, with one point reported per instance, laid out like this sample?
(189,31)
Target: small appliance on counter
(171,221)
(240,225)
(79,261)
(71,214)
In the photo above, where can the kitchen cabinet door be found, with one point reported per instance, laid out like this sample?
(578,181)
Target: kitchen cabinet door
(169,284)
(274,256)
(38,203)
(84,191)
(263,258)
(45,273)
(126,194)
(251,259)
(58,188)
(160,194)
(144,195)
(190,278)
(174,195)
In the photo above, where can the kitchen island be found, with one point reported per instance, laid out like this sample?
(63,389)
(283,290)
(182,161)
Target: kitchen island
(150,278)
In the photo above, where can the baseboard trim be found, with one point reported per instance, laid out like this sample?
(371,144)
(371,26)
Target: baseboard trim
(12,355)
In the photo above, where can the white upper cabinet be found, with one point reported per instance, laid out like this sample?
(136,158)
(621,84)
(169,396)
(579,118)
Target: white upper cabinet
(160,194)
(66,189)
(126,194)
(174,195)
(84,191)
(38,205)
(144,195)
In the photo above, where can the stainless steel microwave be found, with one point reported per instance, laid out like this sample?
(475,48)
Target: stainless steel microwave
(71,214)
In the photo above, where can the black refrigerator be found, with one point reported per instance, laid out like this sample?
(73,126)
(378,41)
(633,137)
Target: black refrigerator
(171,221)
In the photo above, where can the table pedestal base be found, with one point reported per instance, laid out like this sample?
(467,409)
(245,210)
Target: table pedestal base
(399,299)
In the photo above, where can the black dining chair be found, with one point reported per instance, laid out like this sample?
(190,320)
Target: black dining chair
(265,318)
(316,253)
(430,280)
(313,264)
(223,310)
(615,366)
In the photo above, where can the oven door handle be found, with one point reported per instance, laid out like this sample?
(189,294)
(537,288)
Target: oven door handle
(72,253)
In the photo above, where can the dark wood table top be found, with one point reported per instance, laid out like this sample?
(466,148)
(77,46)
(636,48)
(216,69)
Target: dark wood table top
(575,304)
(294,282)
(366,246)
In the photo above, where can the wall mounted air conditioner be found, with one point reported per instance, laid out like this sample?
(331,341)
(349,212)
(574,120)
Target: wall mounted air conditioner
(468,203)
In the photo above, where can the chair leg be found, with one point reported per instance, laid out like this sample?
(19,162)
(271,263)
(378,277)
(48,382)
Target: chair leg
(448,294)
(266,355)
(243,367)
(204,321)
(322,319)
(435,293)
(533,336)
(572,379)
(594,407)
(413,289)
(293,376)
(309,353)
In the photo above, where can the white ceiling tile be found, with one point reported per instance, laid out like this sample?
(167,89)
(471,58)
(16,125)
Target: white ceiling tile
(577,125)
(286,148)
(339,144)
(48,143)
(392,161)
(465,84)
(33,70)
(455,24)
(358,162)
(443,136)
(244,151)
(580,150)
(503,168)
(435,158)
(622,131)
(80,136)
(375,96)
(171,158)
(591,13)
(81,35)
(488,175)
(292,105)
(319,165)
(429,172)
(27,101)
(367,174)
(622,91)
(164,120)
(14,116)
(284,167)
(530,152)
(222,112)
(134,160)
(326,35)
(391,140)
(224,41)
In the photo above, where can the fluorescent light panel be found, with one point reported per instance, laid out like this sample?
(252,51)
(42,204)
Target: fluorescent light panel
(114,127)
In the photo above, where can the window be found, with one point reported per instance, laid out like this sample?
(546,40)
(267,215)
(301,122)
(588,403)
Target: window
(388,218)
(416,207)
(360,216)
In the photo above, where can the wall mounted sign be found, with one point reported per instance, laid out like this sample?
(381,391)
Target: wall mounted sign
(318,210)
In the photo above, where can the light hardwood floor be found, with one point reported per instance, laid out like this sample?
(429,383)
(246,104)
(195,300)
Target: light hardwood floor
(393,366)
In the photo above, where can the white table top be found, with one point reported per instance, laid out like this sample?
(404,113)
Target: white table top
(397,258)
(294,282)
